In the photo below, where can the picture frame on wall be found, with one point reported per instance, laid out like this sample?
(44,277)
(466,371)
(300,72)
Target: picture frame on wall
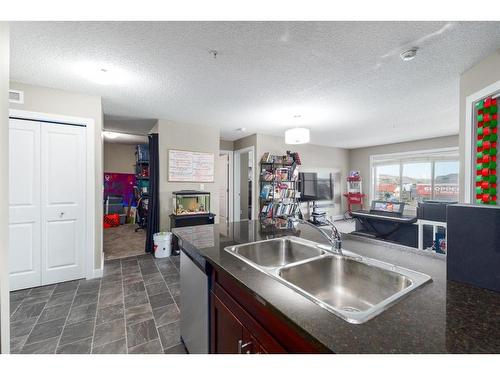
(191,166)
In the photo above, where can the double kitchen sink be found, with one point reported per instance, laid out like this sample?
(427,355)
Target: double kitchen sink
(352,287)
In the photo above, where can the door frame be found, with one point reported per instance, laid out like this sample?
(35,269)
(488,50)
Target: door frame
(236,177)
(230,212)
(90,177)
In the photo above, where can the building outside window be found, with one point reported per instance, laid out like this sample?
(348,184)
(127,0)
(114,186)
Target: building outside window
(416,177)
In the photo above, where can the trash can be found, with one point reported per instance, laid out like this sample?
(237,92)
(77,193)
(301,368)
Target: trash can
(162,244)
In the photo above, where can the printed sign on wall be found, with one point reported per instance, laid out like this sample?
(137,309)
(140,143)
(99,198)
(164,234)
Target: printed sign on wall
(189,166)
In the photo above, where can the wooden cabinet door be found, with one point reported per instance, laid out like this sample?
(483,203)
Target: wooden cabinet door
(227,331)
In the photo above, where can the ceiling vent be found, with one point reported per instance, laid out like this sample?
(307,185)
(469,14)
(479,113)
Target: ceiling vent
(16,96)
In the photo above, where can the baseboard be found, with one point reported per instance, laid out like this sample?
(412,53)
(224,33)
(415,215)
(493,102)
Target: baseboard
(98,272)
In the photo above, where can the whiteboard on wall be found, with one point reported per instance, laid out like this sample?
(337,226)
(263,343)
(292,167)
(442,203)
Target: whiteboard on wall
(189,166)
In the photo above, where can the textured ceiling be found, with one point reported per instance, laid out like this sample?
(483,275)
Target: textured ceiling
(344,79)
(130,125)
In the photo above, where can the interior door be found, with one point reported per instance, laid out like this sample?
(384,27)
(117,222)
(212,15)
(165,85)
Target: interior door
(224,188)
(24,204)
(63,202)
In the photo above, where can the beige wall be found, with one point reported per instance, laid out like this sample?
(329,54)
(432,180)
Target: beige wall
(226,145)
(359,158)
(52,101)
(314,158)
(248,141)
(190,138)
(473,80)
(4,189)
(119,158)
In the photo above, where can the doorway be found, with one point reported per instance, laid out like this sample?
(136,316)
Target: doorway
(244,184)
(226,187)
(125,196)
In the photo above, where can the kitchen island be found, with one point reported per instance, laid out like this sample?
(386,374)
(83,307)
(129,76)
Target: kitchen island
(439,317)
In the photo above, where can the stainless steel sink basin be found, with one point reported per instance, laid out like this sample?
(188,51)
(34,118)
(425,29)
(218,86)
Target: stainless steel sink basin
(352,287)
(276,252)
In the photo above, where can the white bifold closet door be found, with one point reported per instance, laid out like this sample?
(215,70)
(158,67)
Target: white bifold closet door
(25,240)
(47,182)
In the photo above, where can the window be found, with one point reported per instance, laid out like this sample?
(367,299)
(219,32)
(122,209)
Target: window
(387,182)
(446,180)
(416,177)
(416,183)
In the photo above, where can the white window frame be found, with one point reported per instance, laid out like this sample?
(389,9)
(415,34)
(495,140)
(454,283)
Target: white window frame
(399,158)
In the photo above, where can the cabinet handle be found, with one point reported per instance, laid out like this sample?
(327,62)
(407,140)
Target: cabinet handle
(242,346)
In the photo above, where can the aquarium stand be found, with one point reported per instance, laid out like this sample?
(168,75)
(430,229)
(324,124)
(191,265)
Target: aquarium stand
(177,221)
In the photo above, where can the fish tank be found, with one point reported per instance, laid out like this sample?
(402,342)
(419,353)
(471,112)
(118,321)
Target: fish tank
(191,202)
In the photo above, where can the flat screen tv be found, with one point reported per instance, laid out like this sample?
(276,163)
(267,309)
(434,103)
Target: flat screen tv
(314,188)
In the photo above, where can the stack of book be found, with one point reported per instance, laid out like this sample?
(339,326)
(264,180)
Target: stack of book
(274,209)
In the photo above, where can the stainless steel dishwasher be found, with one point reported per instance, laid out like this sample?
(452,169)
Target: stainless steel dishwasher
(194,303)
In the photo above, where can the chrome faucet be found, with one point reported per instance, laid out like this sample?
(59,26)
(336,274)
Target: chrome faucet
(333,238)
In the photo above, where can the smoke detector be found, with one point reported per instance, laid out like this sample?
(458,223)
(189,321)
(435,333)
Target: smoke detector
(409,54)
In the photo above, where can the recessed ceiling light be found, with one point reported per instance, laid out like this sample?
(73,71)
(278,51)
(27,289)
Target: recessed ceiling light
(241,130)
(409,54)
(111,135)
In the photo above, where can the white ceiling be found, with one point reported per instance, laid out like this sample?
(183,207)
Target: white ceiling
(130,125)
(124,138)
(345,79)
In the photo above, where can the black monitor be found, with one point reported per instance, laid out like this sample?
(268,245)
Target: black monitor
(313,188)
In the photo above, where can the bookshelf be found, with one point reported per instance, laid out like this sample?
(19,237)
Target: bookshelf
(278,186)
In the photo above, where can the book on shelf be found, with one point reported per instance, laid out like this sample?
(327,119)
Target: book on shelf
(267,175)
(266,191)
(276,159)
(272,209)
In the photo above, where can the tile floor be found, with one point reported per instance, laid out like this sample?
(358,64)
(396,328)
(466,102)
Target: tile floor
(133,308)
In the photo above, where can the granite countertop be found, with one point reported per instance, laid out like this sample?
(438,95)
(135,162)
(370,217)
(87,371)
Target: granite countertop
(440,317)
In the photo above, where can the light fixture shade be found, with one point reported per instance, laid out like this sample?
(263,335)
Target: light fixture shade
(297,136)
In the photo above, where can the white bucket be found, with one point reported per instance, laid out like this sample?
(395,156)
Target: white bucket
(162,244)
